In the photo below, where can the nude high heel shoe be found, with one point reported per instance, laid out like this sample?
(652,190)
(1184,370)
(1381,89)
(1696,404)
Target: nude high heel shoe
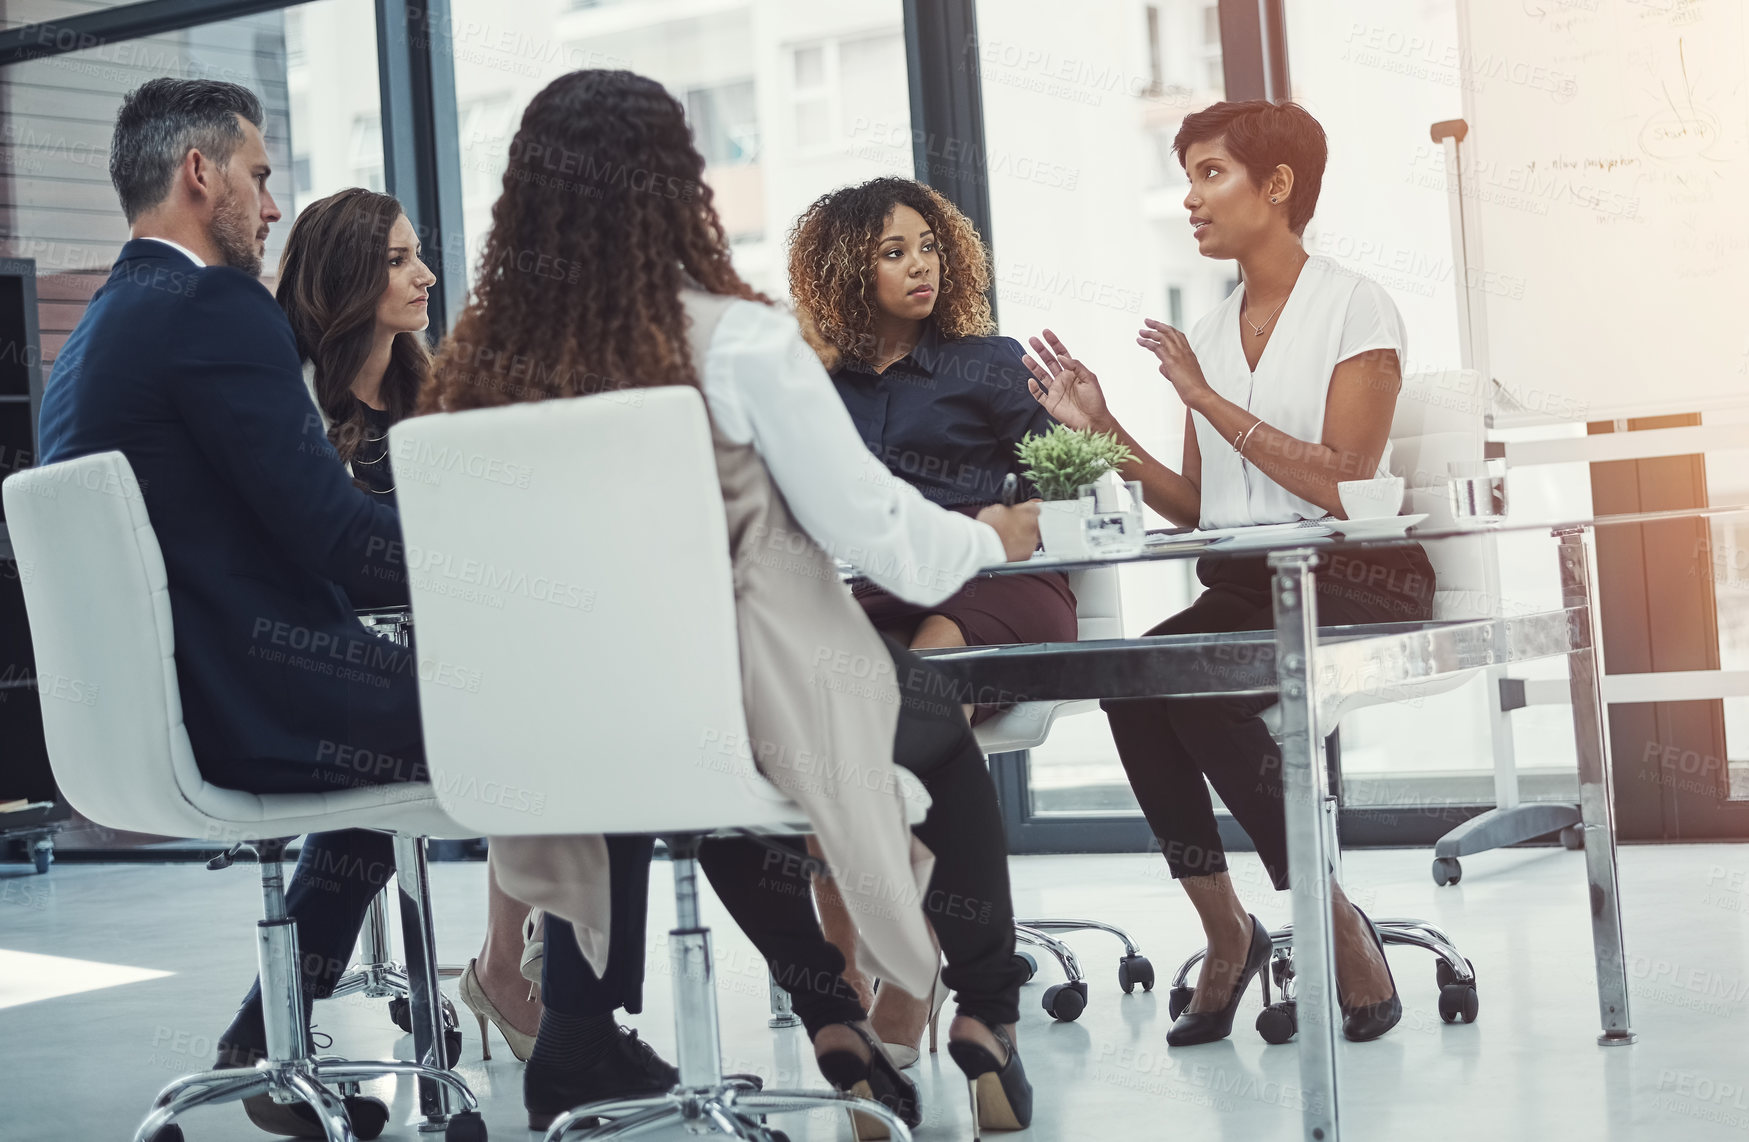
(906,1055)
(475,997)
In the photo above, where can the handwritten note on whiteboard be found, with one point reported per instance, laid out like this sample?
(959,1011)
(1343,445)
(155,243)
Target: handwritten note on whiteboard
(1608,161)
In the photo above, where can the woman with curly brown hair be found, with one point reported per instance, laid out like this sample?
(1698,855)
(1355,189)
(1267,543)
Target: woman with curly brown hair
(893,281)
(607,270)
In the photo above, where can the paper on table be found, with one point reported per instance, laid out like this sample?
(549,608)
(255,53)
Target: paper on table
(1306,527)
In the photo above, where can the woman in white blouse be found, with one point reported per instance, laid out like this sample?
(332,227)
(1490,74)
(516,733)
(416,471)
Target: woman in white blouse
(607,271)
(1288,387)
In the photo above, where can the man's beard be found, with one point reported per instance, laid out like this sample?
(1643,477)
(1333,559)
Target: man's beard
(234,234)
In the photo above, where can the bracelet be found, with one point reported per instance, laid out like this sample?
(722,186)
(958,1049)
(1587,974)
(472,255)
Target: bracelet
(1243,438)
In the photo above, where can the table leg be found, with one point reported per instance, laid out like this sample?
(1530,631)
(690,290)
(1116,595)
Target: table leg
(1303,790)
(1596,797)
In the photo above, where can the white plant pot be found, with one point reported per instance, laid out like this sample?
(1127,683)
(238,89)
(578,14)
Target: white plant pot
(1059,526)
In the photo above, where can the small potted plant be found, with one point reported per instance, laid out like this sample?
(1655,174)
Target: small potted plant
(1059,462)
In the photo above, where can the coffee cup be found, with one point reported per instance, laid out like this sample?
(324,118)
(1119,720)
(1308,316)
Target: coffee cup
(1371,499)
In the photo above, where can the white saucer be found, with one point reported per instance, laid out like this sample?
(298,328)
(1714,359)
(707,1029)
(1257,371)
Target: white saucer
(1381,527)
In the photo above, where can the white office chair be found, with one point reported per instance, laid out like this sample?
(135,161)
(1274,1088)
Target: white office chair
(586,678)
(1436,422)
(99,608)
(1099,615)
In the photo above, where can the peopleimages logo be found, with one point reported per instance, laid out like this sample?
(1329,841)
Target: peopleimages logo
(432,462)
(430,565)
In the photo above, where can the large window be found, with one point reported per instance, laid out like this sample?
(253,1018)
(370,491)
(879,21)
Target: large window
(786,98)
(56,202)
(1090,237)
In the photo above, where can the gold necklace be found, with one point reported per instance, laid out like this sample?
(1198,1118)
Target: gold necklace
(1257,330)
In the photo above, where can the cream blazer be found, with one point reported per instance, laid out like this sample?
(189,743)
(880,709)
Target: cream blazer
(824,739)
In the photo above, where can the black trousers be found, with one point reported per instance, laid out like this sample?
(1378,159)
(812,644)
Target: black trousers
(1170,745)
(767,889)
(568,985)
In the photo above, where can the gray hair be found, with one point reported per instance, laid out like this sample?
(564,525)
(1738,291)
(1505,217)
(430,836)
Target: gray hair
(161,121)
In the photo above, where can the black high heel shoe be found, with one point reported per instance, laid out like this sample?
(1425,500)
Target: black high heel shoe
(1370,1020)
(874,1078)
(1195,1027)
(1001,1096)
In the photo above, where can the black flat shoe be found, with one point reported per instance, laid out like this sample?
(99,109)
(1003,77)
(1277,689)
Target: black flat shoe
(630,1068)
(369,1116)
(874,1078)
(1195,1027)
(1001,1096)
(1370,1020)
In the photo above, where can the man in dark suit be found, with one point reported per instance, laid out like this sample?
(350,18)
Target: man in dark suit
(185,364)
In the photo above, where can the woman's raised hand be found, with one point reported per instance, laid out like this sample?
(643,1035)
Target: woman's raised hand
(1066,387)
(1178,362)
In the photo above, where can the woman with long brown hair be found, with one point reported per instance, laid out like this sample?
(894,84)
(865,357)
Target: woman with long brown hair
(355,290)
(607,269)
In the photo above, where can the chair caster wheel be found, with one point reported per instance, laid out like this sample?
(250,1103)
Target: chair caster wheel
(369,1116)
(1278,1022)
(1447,870)
(1178,999)
(1133,971)
(1445,976)
(1031,965)
(401,1013)
(169,1132)
(1457,1002)
(452,1048)
(1066,1001)
(1573,838)
(466,1126)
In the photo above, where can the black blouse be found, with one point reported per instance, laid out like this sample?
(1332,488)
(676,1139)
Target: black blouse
(946,417)
(370,464)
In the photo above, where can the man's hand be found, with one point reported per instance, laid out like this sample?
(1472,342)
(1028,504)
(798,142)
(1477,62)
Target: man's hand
(1017,526)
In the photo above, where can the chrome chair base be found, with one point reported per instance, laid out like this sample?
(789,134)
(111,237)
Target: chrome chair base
(1065,1001)
(297,1080)
(376,975)
(1455,975)
(289,1074)
(705,1102)
(729,1110)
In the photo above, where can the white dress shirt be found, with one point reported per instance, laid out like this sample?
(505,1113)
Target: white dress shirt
(766,387)
(1332,314)
(180,248)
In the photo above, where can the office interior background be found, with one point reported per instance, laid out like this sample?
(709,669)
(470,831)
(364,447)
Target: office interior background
(1051,127)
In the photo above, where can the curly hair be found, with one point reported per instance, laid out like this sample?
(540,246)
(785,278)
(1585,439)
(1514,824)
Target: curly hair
(334,268)
(832,250)
(603,218)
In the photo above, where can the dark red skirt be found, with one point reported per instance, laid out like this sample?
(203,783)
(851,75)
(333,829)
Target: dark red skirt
(989,610)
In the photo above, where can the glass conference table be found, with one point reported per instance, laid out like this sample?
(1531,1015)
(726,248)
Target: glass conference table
(1313,670)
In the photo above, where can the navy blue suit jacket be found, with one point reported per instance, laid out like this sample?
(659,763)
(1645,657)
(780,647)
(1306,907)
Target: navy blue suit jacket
(192,373)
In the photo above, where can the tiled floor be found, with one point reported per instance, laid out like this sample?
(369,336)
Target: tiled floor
(84,1066)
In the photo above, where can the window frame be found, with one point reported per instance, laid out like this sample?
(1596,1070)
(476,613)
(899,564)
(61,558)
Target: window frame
(421,126)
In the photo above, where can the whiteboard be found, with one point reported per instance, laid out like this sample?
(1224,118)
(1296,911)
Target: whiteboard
(1606,184)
